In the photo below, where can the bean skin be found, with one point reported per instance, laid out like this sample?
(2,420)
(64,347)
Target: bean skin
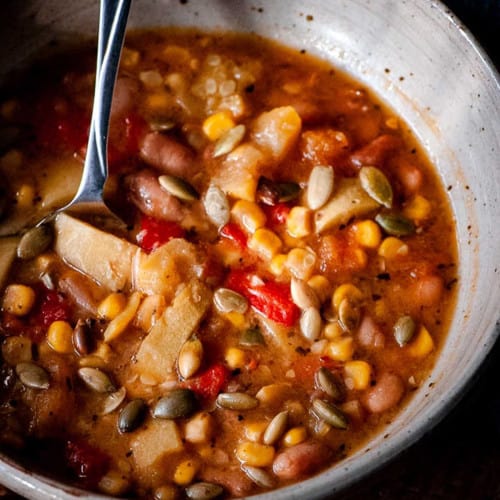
(376,151)
(385,394)
(370,334)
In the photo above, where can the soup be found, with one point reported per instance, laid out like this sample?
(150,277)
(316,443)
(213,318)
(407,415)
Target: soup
(283,285)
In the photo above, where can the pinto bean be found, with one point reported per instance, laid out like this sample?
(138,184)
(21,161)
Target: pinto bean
(123,96)
(166,154)
(370,334)
(427,291)
(410,177)
(301,459)
(233,480)
(323,146)
(145,192)
(385,394)
(81,290)
(375,152)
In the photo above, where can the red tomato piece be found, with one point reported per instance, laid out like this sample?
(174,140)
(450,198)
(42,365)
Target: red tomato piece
(154,233)
(306,366)
(52,306)
(234,233)
(276,214)
(209,383)
(87,462)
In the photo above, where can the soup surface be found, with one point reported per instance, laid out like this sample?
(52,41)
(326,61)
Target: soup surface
(282,287)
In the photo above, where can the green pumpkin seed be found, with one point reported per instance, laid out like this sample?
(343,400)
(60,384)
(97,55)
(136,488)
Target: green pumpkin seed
(203,491)
(190,357)
(132,416)
(376,185)
(330,414)
(319,186)
(395,224)
(276,428)
(260,477)
(237,401)
(404,329)
(330,384)
(349,315)
(252,337)
(32,376)
(34,242)
(288,191)
(96,379)
(310,323)
(227,300)
(229,140)
(113,401)
(268,191)
(217,206)
(179,403)
(178,187)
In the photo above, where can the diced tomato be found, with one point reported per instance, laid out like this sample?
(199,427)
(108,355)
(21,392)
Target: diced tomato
(209,383)
(276,214)
(51,306)
(154,233)
(306,366)
(87,462)
(234,233)
(269,297)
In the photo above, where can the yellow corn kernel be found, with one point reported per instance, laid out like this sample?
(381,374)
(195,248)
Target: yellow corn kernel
(418,208)
(158,101)
(114,483)
(367,233)
(118,324)
(249,215)
(60,337)
(254,431)
(392,123)
(333,330)
(236,318)
(299,222)
(421,345)
(255,454)
(112,306)
(381,308)
(265,243)
(392,247)
(340,349)
(361,257)
(185,472)
(235,358)
(295,435)
(25,196)
(277,264)
(357,374)
(346,291)
(216,125)
(18,299)
(271,393)
(129,58)
(321,285)
(301,262)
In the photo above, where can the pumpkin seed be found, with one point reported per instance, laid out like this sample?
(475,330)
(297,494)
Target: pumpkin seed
(236,401)
(404,329)
(113,401)
(330,384)
(32,376)
(96,379)
(395,224)
(190,357)
(276,428)
(227,300)
(349,315)
(260,477)
(376,185)
(229,140)
(217,206)
(203,491)
(268,191)
(288,191)
(310,323)
(330,413)
(303,295)
(320,186)
(179,403)
(178,187)
(252,337)
(34,242)
(132,415)
(81,335)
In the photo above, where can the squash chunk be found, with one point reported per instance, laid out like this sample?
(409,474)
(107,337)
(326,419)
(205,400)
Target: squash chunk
(104,257)
(8,248)
(159,350)
(349,200)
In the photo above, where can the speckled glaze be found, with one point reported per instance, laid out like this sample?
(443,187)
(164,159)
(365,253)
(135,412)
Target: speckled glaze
(425,65)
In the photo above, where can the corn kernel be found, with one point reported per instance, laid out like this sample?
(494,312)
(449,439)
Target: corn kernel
(367,233)
(129,58)
(346,291)
(271,393)
(295,435)
(254,431)
(112,306)
(321,285)
(392,247)
(301,262)
(381,308)
(361,258)
(120,322)
(235,358)
(340,349)
(392,123)
(18,299)
(357,374)
(418,208)
(25,196)
(236,318)
(158,101)
(249,215)
(299,222)
(185,472)
(60,337)
(277,264)
(333,330)
(215,126)
(421,345)
(255,454)
(265,243)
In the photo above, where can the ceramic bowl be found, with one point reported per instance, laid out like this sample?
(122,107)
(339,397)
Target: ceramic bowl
(419,59)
